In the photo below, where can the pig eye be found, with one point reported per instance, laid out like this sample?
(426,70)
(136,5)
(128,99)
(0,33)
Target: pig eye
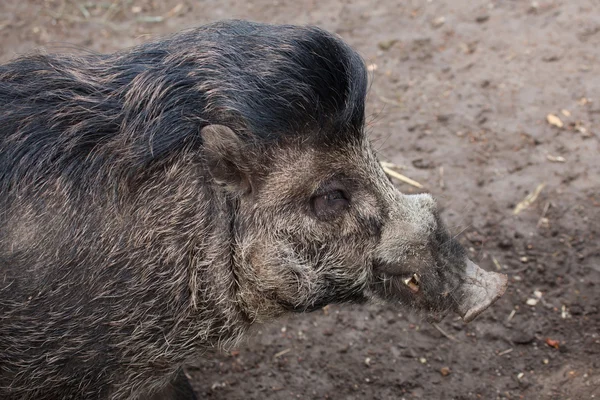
(329,205)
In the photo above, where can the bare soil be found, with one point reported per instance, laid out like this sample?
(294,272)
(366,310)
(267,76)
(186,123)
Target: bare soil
(460,95)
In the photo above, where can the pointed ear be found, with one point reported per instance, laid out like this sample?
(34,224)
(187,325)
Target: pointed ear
(225,159)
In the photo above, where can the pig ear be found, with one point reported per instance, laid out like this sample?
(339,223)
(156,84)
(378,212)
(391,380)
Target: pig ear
(225,160)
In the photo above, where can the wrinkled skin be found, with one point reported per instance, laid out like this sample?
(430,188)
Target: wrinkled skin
(162,202)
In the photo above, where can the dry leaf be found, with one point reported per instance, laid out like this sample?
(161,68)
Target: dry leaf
(583,101)
(174,11)
(554,120)
(552,343)
(387,44)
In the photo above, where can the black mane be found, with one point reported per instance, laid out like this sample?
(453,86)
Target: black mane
(67,113)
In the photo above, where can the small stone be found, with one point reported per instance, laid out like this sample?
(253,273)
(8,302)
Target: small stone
(409,353)
(554,120)
(482,18)
(368,362)
(532,302)
(423,360)
(524,259)
(439,21)
(523,337)
(445,371)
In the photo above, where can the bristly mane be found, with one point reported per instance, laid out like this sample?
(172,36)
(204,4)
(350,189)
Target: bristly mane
(66,114)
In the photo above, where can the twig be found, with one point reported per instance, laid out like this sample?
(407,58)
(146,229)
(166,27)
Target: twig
(392,165)
(174,11)
(512,314)
(84,11)
(517,270)
(160,18)
(505,352)
(389,101)
(496,263)
(529,199)
(546,207)
(401,177)
(442,184)
(443,332)
(281,353)
(112,10)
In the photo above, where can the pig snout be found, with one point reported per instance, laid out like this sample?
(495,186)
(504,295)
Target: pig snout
(480,290)
(421,265)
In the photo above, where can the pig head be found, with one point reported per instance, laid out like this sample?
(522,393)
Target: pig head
(321,223)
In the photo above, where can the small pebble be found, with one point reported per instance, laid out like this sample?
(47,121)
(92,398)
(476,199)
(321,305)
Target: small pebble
(439,21)
(532,302)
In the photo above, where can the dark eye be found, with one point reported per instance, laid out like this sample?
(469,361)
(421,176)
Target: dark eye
(329,205)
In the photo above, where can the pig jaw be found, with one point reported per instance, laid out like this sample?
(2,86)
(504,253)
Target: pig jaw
(480,290)
(475,291)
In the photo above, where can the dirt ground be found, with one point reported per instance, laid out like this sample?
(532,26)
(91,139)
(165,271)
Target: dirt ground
(460,95)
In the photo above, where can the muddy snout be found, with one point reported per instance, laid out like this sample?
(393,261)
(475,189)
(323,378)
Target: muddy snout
(480,290)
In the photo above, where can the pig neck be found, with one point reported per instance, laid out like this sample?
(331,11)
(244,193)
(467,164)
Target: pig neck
(252,290)
(215,284)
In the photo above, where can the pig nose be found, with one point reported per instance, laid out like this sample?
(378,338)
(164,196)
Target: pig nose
(481,289)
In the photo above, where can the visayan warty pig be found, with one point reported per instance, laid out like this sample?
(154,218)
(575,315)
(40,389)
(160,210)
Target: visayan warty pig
(160,201)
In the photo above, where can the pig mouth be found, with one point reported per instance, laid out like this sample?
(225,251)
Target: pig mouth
(478,290)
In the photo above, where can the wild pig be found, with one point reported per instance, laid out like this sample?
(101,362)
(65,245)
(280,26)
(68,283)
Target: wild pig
(159,202)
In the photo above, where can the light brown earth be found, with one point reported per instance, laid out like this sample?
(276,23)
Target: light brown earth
(458,86)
